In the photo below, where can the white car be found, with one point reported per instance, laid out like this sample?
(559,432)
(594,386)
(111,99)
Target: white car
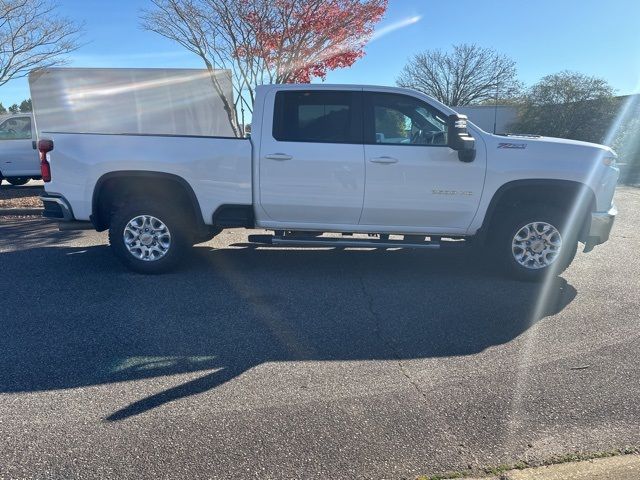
(19,161)
(382,167)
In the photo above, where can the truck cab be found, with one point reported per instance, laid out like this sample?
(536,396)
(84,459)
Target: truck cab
(366,159)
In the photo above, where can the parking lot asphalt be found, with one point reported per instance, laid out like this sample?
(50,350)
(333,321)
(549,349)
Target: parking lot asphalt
(287,363)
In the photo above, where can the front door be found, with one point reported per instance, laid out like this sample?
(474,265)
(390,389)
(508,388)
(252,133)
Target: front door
(312,158)
(414,179)
(17,156)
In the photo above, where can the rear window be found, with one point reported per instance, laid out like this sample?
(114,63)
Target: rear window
(317,116)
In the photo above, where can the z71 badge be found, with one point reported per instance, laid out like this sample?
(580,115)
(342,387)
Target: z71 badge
(520,146)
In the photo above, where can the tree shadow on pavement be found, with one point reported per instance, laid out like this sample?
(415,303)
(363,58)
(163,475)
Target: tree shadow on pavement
(22,233)
(77,318)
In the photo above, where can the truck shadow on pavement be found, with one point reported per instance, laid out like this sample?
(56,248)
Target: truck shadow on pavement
(76,318)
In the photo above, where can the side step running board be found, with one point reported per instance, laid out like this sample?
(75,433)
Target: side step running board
(339,242)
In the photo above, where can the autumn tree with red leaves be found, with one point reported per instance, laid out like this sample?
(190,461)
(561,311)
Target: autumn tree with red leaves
(299,40)
(267,41)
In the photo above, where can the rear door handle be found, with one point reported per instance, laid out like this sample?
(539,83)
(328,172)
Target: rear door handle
(278,156)
(384,160)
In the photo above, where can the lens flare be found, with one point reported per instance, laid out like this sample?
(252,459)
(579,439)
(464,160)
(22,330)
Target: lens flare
(378,34)
(548,289)
(346,46)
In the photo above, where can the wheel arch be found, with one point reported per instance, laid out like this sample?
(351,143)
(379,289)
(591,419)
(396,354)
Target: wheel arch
(556,192)
(114,187)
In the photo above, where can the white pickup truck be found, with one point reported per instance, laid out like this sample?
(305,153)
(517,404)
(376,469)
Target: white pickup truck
(18,156)
(341,166)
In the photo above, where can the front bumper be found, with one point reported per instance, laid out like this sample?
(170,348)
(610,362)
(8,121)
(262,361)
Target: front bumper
(56,207)
(600,228)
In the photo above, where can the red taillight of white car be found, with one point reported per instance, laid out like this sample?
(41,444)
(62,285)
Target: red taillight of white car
(44,147)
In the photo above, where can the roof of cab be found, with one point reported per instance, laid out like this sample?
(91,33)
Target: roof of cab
(263,89)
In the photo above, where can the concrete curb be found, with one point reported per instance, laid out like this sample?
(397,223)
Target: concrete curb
(20,211)
(620,467)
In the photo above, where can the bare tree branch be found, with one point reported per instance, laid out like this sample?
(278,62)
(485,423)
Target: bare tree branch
(32,37)
(468,75)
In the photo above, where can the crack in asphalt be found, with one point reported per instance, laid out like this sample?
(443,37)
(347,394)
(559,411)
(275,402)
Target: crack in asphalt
(389,344)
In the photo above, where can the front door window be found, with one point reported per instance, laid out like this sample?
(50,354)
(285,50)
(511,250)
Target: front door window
(403,120)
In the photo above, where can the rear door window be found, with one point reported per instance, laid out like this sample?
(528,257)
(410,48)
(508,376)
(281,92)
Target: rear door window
(318,116)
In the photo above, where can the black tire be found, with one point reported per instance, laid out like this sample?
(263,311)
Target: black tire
(18,181)
(177,227)
(510,223)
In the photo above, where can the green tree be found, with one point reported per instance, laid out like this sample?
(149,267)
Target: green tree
(2,109)
(14,108)
(26,106)
(568,105)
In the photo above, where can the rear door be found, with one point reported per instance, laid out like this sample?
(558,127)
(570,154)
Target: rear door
(17,156)
(312,157)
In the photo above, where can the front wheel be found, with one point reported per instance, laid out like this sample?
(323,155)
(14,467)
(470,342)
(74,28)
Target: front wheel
(534,242)
(147,237)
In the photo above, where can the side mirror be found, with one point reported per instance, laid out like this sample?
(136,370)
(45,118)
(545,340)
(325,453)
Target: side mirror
(459,138)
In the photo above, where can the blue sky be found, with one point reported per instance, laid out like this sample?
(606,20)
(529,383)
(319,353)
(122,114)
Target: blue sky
(593,37)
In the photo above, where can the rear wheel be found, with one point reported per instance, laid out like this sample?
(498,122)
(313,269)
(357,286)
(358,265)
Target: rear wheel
(147,237)
(17,181)
(534,242)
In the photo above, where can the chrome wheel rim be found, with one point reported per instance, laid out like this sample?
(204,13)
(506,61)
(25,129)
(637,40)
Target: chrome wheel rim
(536,245)
(147,238)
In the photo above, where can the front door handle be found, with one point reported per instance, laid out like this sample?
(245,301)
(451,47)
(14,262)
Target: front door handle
(384,160)
(278,156)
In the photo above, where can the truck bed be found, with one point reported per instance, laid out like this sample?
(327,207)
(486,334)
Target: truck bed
(217,168)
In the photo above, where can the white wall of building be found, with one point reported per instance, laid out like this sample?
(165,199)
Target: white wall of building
(484,116)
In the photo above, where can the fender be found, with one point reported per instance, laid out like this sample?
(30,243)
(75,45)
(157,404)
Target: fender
(526,186)
(101,224)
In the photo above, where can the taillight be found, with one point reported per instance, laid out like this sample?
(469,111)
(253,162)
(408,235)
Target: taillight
(44,147)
